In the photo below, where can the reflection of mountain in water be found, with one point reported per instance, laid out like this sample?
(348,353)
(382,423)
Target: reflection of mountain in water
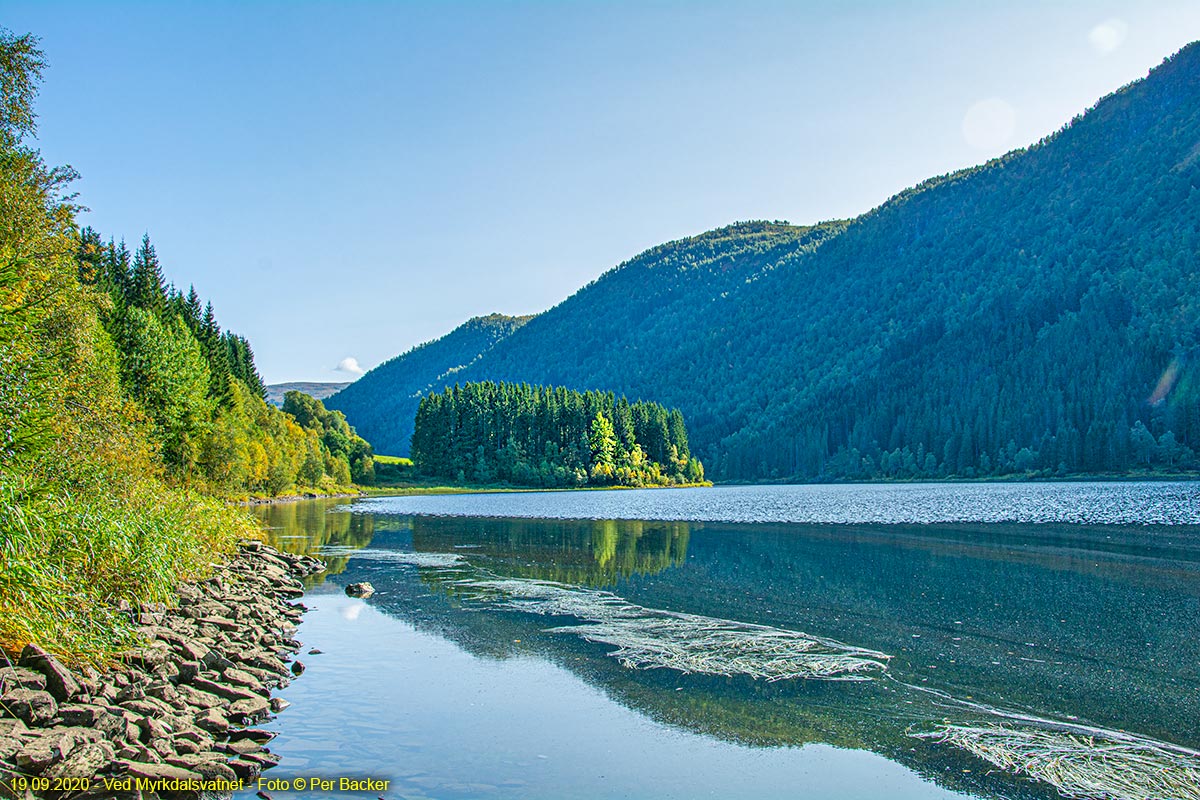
(580,552)
(1095,625)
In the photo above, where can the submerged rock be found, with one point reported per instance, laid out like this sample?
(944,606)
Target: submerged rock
(363,589)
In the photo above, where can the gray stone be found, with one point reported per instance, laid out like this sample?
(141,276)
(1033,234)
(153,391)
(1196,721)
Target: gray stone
(59,680)
(80,714)
(21,678)
(9,745)
(221,690)
(242,678)
(32,706)
(363,589)
(215,771)
(297,667)
(250,709)
(212,720)
(158,771)
(38,756)
(199,699)
(85,762)
(119,726)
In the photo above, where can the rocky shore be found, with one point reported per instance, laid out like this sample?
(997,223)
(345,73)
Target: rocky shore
(175,718)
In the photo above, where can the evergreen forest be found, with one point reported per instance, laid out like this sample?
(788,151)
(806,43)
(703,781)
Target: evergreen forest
(551,437)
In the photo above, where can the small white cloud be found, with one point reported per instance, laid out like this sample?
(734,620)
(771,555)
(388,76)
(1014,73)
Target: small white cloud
(351,612)
(350,364)
(989,124)
(1108,35)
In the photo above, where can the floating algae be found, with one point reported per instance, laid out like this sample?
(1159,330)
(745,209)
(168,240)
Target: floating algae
(1089,764)
(433,560)
(648,638)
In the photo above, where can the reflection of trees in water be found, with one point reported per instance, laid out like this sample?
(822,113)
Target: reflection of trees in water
(875,715)
(580,552)
(306,527)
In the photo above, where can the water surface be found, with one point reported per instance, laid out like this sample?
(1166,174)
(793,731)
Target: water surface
(484,666)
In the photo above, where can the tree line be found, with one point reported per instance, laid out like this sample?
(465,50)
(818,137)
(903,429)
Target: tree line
(550,436)
(128,417)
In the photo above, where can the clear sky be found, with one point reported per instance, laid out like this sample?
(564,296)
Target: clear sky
(348,179)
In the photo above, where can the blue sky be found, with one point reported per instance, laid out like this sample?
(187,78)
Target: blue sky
(347,180)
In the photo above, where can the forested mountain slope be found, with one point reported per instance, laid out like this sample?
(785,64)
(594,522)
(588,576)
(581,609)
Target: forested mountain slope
(384,401)
(1037,314)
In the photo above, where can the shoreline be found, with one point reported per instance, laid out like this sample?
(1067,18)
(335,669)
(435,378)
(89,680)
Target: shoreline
(175,717)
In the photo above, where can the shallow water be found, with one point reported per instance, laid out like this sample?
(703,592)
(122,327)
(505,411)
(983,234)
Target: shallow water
(513,652)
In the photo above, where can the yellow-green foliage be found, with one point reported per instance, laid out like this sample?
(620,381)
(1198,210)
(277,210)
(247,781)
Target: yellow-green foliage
(88,517)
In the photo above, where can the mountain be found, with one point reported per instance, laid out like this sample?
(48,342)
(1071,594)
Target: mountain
(383,403)
(319,390)
(1038,314)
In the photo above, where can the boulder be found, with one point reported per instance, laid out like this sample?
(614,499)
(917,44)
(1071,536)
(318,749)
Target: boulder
(158,771)
(37,756)
(250,709)
(215,771)
(85,762)
(212,720)
(32,706)
(59,680)
(80,714)
(363,589)
(297,667)
(20,678)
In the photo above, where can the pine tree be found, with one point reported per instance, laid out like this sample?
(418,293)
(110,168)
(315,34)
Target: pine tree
(147,288)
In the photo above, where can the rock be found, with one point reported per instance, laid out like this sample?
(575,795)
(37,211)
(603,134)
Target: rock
(38,756)
(243,746)
(158,771)
(21,678)
(250,709)
(257,734)
(215,771)
(199,699)
(212,721)
(242,678)
(85,762)
(297,667)
(221,690)
(192,650)
(9,745)
(142,708)
(81,714)
(59,680)
(278,704)
(119,726)
(12,727)
(163,747)
(363,589)
(188,670)
(245,769)
(315,652)
(31,706)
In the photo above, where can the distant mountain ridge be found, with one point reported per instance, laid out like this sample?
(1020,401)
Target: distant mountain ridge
(384,401)
(318,389)
(1038,314)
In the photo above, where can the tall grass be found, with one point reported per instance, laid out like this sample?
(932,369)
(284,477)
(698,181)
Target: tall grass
(68,559)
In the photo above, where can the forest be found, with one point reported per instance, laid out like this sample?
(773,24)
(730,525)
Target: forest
(1035,316)
(550,437)
(128,418)
(384,402)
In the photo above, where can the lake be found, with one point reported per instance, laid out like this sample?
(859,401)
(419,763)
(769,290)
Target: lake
(901,641)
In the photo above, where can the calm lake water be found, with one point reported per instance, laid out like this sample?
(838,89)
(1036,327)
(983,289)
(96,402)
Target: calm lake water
(913,641)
